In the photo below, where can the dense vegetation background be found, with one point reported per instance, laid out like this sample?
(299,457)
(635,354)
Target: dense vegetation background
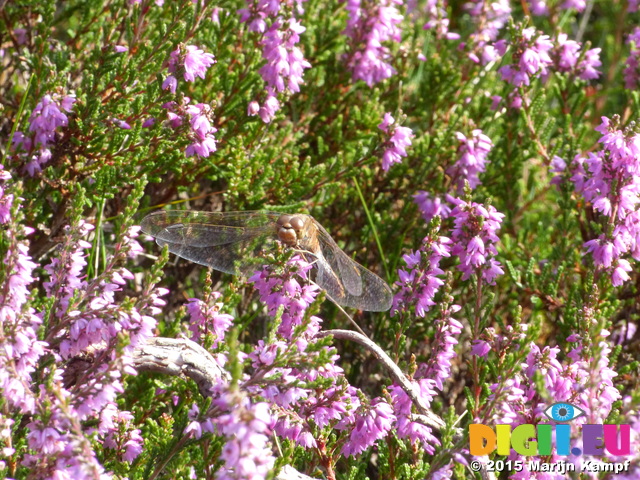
(481,157)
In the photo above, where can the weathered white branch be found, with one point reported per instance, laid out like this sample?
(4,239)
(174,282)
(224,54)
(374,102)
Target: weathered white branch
(180,356)
(426,416)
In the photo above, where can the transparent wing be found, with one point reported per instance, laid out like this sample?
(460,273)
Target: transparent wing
(226,241)
(348,283)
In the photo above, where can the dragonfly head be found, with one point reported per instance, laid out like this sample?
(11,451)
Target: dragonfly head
(289,229)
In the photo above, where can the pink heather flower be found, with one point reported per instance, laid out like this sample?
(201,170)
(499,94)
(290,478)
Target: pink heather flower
(415,432)
(21,350)
(253,108)
(200,131)
(438,367)
(632,65)
(286,290)
(285,62)
(204,143)
(398,139)
(633,6)
(431,206)
(122,437)
(246,452)
(530,57)
(370,25)
(421,281)
(578,5)
(559,169)
(438,21)
(267,111)
(45,121)
(473,152)
(20,35)
(6,200)
(610,180)
(370,426)
(480,348)
(170,83)
(191,61)
(539,8)
(443,473)
(120,48)
(566,56)
(205,318)
(490,18)
(474,239)
(64,422)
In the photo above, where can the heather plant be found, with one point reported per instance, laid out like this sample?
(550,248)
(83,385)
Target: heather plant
(483,158)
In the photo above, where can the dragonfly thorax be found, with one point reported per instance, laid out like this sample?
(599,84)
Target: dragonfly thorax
(290,229)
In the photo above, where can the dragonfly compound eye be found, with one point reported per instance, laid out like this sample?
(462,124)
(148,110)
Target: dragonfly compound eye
(284,221)
(297,223)
(287,236)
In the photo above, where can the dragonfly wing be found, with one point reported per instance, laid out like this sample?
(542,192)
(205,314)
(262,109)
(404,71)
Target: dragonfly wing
(238,258)
(229,242)
(347,282)
(206,229)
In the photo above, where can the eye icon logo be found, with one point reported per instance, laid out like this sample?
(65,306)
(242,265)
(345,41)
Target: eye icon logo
(563,412)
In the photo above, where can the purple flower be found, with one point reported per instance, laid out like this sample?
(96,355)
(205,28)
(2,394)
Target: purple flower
(610,180)
(395,146)
(539,8)
(191,61)
(170,83)
(284,290)
(205,318)
(370,25)
(21,350)
(632,65)
(474,239)
(490,18)
(438,367)
(431,206)
(204,143)
(473,152)
(246,453)
(370,426)
(122,437)
(578,5)
(405,427)
(438,21)
(420,283)
(285,62)
(480,348)
(566,56)
(200,131)
(530,57)
(581,376)
(45,121)
(6,200)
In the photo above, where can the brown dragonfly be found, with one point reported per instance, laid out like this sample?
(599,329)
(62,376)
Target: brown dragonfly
(231,242)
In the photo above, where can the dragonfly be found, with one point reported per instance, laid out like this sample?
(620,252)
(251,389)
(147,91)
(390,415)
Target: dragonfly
(232,242)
